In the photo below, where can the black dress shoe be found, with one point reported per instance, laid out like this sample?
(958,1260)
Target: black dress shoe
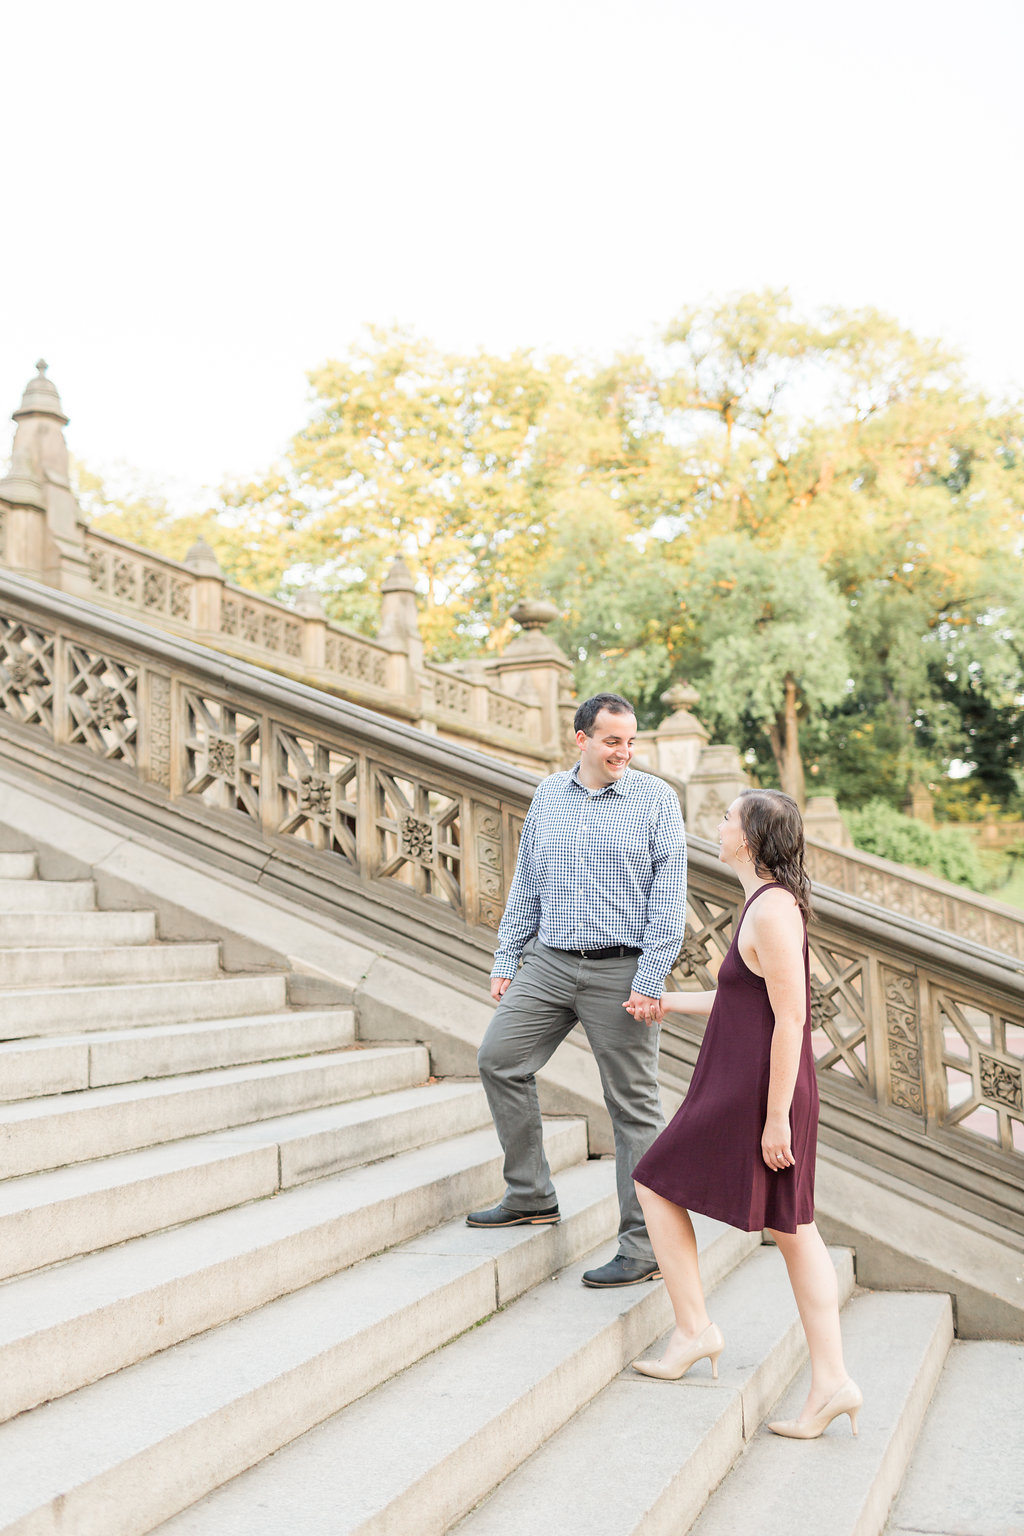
(622,1271)
(502,1216)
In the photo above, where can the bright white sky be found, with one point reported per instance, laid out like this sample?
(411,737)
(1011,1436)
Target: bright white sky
(204,200)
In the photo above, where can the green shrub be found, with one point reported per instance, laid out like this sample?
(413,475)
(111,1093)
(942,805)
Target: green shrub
(948,852)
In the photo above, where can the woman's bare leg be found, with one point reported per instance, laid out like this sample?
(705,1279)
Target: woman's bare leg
(675,1248)
(813,1278)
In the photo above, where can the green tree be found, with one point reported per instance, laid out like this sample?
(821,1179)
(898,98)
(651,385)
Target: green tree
(771,632)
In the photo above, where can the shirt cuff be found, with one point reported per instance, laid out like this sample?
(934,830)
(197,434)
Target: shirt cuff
(505,965)
(648,984)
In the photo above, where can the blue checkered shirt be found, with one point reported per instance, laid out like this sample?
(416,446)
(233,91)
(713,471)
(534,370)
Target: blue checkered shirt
(597,870)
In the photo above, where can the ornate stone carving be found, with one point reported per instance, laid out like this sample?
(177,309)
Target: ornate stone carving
(272,631)
(154,588)
(709,813)
(293,640)
(451,694)
(21,669)
(694,955)
(250,624)
(220,757)
(107,705)
(181,598)
(314,795)
(230,610)
(1001,1082)
(823,1005)
(159,729)
(124,580)
(507,714)
(490,866)
(903,1036)
(417,839)
(99,571)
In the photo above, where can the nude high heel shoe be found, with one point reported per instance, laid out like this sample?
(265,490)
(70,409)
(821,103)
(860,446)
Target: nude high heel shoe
(847,1400)
(706,1346)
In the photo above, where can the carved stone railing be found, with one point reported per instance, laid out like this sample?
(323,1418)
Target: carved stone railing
(918,1035)
(916,894)
(201,605)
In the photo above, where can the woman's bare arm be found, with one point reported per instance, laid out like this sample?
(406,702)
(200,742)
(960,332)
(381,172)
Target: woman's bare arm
(777,937)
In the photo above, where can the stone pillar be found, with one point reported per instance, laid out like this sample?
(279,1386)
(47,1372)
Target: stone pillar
(309,606)
(208,588)
(535,669)
(51,548)
(823,822)
(718,779)
(680,739)
(399,630)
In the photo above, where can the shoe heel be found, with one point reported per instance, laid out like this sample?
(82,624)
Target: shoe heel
(853,1419)
(714,1364)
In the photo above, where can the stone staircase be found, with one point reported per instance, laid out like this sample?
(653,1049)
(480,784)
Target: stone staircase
(239,1295)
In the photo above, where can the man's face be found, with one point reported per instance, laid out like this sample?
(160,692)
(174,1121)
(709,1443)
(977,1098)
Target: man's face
(605,755)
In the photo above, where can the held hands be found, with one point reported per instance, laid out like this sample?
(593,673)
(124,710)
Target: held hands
(646,1010)
(775,1147)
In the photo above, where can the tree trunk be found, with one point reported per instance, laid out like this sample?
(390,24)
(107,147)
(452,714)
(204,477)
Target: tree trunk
(784,734)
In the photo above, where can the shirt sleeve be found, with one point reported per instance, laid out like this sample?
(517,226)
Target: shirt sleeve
(522,909)
(666,902)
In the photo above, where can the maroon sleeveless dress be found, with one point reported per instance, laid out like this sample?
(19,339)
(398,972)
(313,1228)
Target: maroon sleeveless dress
(708,1158)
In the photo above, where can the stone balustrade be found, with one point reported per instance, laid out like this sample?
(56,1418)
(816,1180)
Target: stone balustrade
(517,706)
(918,1034)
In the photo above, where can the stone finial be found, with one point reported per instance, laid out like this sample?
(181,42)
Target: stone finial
(310,604)
(534,613)
(202,559)
(681,696)
(41,398)
(399,577)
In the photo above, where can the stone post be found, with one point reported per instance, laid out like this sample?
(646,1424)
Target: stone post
(680,739)
(207,589)
(310,608)
(399,630)
(823,822)
(44,524)
(535,669)
(718,779)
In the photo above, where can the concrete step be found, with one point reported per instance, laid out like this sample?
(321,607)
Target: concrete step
(65,1063)
(117,1457)
(59,1010)
(29,929)
(462,1419)
(80,1321)
(967,1469)
(895,1344)
(38,1134)
(673,1440)
(49,1217)
(17,866)
(108,965)
(21,895)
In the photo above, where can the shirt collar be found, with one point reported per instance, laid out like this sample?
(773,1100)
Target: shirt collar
(619,786)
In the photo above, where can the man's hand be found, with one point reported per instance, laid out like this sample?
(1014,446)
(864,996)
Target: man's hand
(647,1010)
(499,986)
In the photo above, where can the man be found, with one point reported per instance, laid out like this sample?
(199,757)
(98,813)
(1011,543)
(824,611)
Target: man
(594,920)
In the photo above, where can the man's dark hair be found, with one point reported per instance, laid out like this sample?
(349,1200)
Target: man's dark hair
(586,716)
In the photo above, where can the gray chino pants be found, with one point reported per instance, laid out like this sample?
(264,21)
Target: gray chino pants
(548,994)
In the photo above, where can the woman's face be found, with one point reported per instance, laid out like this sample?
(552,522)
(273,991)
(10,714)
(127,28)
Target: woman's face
(731,840)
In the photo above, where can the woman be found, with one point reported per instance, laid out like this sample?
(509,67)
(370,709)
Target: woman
(741,1148)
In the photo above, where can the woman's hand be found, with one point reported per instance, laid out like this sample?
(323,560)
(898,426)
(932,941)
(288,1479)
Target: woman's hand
(646,1010)
(775,1147)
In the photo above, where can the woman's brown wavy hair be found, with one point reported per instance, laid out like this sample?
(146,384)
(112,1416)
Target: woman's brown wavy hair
(774,830)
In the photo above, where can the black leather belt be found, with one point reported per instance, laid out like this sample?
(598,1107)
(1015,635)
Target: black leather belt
(613,952)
